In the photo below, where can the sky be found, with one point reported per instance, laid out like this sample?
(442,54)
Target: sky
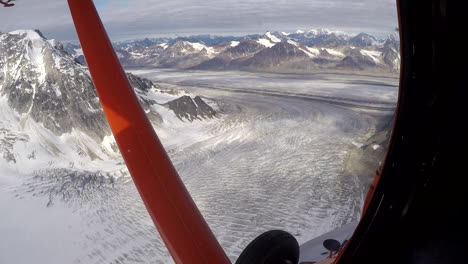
(137,19)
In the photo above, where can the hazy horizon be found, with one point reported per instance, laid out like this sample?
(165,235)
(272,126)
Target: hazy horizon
(139,19)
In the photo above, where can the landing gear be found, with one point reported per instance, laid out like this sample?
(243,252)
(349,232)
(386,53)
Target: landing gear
(271,247)
(332,245)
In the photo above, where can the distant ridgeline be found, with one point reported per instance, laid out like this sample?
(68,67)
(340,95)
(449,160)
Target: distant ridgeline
(300,52)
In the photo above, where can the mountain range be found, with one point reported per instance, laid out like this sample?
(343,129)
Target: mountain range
(298,52)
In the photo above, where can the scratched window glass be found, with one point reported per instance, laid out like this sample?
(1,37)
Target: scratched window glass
(275,115)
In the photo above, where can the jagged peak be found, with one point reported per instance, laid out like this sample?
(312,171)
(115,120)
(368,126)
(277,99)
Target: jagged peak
(363,35)
(393,37)
(30,33)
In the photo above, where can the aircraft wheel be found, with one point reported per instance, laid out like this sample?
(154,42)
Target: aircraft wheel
(271,247)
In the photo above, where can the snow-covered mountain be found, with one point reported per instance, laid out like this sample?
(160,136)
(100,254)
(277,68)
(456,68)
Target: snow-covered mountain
(319,37)
(50,110)
(363,40)
(300,51)
(325,50)
(312,51)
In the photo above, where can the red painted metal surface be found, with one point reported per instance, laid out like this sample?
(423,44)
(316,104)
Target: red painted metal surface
(178,220)
(7,3)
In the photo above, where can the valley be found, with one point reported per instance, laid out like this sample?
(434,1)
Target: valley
(271,151)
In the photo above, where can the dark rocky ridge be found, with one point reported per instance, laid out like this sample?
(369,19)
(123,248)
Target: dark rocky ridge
(190,109)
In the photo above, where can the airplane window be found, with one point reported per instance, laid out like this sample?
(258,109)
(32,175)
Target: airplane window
(276,115)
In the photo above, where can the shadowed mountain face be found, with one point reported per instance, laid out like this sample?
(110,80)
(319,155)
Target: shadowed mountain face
(281,55)
(190,109)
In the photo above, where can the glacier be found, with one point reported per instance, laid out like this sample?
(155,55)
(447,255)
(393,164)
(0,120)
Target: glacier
(273,159)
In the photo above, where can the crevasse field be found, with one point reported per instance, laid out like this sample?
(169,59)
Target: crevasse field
(273,158)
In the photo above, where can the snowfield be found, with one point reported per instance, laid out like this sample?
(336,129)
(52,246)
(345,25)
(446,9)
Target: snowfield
(272,159)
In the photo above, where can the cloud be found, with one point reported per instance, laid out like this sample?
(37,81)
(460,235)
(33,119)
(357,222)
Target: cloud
(140,18)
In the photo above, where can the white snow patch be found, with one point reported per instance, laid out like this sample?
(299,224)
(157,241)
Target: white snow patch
(359,145)
(335,52)
(234,43)
(197,46)
(272,37)
(56,89)
(162,97)
(265,42)
(200,46)
(108,142)
(313,50)
(326,31)
(136,54)
(30,34)
(34,51)
(305,50)
(78,52)
(164,45)
(187,132)
(375,146)
(56,60)
(52,42)
(373,54)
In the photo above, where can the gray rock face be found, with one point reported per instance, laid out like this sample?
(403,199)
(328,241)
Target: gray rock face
(138,56)
(283,56)
(7,139)
(279,52)
(391,54)
(190,109)
(181,55)
(141,84)
(360,59)
(324,54)
(348,63)
(246,47)
(71,48)
(232,57)
(203,109)
(362,40)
